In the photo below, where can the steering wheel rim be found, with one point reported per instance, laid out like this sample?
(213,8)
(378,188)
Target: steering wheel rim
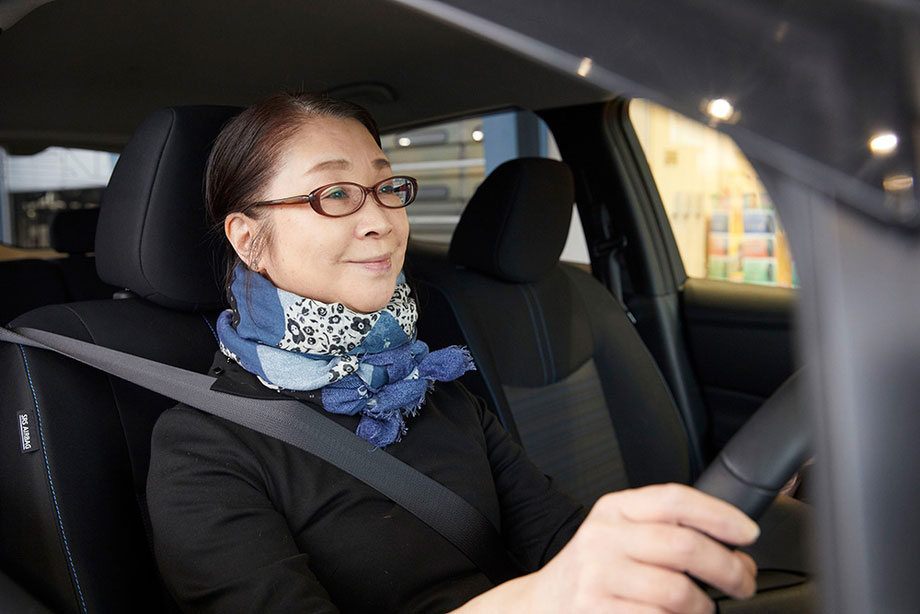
(764,454)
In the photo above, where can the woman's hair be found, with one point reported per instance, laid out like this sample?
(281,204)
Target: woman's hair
(248,151)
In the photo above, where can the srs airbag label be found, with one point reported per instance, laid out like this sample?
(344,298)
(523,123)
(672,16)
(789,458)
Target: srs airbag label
(28,434)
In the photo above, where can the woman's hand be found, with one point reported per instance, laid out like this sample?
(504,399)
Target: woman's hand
(631,554)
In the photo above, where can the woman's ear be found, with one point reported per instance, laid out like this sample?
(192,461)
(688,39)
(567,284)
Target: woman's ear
(241,231)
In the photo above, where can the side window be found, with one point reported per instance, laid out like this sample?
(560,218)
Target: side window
(34,187)
(723,219)
(451,159)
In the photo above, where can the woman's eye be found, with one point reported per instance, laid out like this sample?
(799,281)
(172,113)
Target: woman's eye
(336,193)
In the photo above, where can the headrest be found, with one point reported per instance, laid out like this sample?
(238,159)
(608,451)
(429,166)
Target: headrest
(153,235)
(516,224)
(73,231)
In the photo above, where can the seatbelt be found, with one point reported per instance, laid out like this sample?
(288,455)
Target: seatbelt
(289,421)
(608,252)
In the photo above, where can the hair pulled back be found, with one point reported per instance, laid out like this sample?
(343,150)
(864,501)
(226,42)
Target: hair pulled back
(248,151)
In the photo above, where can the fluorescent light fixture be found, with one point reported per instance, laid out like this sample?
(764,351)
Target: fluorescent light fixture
(897,183)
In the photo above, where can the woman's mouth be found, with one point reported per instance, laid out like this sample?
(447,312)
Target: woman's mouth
(375,264)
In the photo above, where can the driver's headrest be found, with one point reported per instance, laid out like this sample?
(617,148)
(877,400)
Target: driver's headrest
(153,234)
(515,226)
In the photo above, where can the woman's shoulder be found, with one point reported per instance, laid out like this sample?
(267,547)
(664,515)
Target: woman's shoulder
(456,401)
(183,432)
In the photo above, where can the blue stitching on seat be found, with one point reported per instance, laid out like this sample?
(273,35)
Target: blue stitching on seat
(549,345)
(208,322)
(57,510)
(536,331)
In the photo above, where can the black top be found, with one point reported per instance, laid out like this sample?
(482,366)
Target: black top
(244,522)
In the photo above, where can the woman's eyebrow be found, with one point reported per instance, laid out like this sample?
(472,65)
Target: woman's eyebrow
(342,164)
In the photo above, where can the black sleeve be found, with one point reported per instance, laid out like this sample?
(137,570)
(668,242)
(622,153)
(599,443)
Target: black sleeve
(220,543)
(537,519)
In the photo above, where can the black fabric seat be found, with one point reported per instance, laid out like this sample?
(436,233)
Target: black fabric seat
(558,358)
(73,232)
(561,363)
(72,512)
(32,282)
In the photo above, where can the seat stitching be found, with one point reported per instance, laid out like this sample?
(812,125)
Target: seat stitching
(150,192)
(549,347)
(208,322)
(57,509)
(536,331)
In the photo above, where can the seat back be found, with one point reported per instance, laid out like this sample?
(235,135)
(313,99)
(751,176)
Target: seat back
(73,232)
(558,359)
(73,524)
(30,283)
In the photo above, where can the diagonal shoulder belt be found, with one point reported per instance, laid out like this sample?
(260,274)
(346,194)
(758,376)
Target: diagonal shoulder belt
(433,503)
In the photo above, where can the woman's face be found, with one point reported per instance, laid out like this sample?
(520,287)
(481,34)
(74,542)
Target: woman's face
(354,259)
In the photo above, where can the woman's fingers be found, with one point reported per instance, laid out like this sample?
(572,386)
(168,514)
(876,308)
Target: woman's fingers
(748,562)
(667,589)
(684,549)
(679,504)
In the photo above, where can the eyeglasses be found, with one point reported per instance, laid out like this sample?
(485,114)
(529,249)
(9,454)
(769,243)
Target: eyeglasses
(344,198)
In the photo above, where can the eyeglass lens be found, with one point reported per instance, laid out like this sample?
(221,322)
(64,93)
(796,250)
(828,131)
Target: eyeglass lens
(342,199)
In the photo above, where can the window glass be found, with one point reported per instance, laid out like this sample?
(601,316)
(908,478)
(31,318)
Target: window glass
(451,159)
(723,219)
(34,187)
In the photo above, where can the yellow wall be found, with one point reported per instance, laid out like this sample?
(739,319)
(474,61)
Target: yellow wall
(709,189)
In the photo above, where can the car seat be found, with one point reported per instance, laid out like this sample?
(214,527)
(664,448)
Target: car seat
(562,364)
(73,528)
(73,232)
(32,282)
(558,359)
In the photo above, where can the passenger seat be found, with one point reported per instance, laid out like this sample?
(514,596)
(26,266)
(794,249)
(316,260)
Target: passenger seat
(558,359)
(560,362)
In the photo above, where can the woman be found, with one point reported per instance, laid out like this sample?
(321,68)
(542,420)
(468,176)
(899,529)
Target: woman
(320,312)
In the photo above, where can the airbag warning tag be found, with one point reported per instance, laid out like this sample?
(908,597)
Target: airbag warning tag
(28,435)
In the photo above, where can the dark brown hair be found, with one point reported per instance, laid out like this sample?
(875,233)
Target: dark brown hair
(247,154)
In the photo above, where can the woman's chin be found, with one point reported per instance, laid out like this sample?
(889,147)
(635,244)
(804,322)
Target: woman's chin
(369,303)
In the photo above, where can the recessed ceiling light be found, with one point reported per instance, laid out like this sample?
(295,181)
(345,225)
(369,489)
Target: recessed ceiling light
(477,135)
(584,67)
(720,109)
(404,141)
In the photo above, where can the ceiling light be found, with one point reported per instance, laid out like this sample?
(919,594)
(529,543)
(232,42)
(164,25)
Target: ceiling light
(898,183)
(720,109)
(585,67)
(404,141)
(477,135)
(883,143)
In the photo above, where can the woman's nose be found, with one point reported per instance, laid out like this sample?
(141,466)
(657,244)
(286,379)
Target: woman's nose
(373,218)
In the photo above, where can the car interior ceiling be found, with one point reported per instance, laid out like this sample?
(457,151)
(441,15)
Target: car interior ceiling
(598,373)
(198,55)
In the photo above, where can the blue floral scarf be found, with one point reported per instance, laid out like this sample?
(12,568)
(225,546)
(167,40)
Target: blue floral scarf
(369,364)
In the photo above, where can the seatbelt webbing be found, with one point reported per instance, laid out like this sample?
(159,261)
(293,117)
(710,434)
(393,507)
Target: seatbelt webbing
(290,421)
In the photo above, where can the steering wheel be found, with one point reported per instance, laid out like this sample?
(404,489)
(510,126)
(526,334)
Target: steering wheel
(761,457)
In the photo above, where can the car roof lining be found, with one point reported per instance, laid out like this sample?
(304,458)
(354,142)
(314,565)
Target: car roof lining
(85,73)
